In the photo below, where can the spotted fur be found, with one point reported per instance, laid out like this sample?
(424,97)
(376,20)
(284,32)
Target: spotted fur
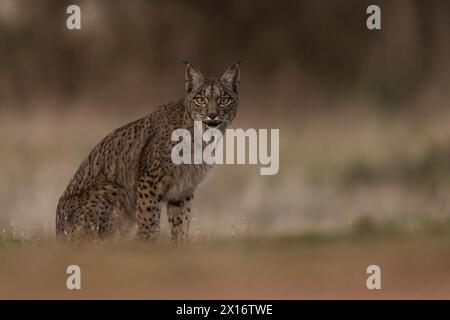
(129,176)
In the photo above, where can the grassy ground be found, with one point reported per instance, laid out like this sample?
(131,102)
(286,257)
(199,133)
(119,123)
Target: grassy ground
(323,266)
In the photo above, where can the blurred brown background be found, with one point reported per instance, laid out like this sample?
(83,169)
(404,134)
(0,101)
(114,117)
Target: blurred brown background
(364,145)
(363,115)
(129,52)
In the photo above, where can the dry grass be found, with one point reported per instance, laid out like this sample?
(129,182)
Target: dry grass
(413,266)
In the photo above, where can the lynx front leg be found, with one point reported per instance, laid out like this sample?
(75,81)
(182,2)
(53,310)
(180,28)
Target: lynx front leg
(148,221)
(149,210)
(179,214)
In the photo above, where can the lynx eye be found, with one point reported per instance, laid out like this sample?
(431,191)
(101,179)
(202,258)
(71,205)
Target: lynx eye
(224,101)
(201,101)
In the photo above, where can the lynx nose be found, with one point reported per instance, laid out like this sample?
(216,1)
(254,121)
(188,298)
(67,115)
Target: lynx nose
(212,115)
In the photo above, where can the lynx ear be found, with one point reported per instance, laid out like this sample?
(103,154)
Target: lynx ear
(232,77)
(194,77)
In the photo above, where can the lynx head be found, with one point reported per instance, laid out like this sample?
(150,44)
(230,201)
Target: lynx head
(213,101)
